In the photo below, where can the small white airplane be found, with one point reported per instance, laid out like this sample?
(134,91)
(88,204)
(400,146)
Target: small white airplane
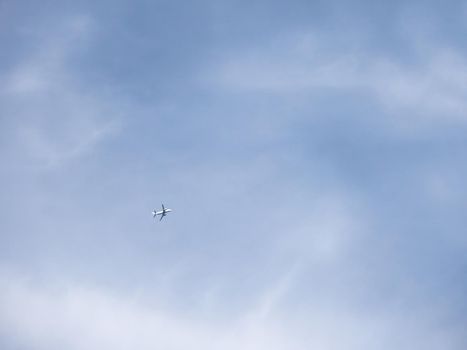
(162,213)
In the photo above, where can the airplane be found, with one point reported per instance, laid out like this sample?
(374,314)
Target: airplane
(162,213)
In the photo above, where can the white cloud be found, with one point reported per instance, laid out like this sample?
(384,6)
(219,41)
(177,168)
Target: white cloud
(84,317)
(49,115)
(91,318)
(56,119)
(42,145)
(434,88)
(323,231)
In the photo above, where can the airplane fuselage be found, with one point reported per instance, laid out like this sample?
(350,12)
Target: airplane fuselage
(163,212)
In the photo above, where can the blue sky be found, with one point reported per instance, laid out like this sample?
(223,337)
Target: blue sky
(312,151)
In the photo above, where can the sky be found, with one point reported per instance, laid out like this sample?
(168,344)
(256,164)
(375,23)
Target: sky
(313,153)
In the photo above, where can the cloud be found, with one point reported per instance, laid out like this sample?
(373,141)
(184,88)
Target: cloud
(310,264)
(435,87)
(47,315)
(49,115)
(78,317)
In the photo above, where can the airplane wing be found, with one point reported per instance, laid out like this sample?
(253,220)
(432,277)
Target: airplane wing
(162,216)
(163,209)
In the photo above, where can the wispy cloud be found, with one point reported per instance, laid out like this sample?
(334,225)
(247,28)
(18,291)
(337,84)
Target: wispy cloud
(85,317)
(49,116)
(299,222)
(436,87)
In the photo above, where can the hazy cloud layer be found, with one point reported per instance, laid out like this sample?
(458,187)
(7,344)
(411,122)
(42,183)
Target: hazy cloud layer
(80,317)
(313,154)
